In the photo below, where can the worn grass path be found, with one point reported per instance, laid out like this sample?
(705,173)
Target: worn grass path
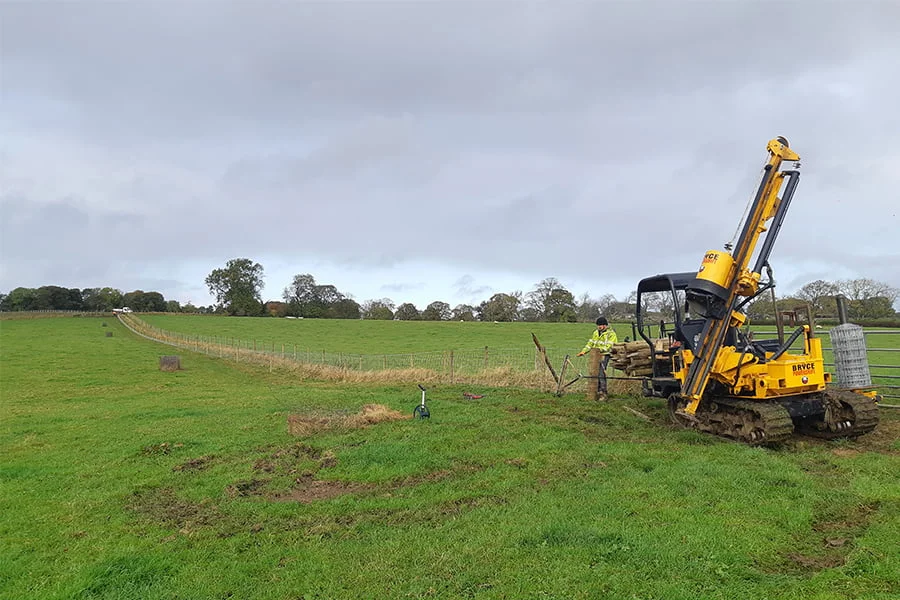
(122,481)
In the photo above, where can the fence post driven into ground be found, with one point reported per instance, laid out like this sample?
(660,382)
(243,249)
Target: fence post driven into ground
(594,372)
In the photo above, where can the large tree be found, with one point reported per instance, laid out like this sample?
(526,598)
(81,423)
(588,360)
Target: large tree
(559,307)
(54,297)
(621,311)
(101,299)
(436,311)
(378,310)
(863,289)
(407,312)
(463,312)
(134,300)
(301,296)
(308,299)
(237,287)
(500,307)
(878,307)
(549,301)
(20,299)
(48,297)
(347,308)
(869,299)
(541,303)
(586,308)
(152,302)
(820,296)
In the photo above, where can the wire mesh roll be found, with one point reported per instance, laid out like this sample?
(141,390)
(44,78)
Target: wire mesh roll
(850,360)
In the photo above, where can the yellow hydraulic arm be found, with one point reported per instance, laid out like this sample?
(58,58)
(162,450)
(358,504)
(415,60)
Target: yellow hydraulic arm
(724,277)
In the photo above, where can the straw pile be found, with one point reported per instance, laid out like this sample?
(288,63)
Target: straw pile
(370,414)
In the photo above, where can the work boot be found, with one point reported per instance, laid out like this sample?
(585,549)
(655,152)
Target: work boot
(601,397)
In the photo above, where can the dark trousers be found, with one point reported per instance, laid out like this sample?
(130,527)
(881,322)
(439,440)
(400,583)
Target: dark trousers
(601,376)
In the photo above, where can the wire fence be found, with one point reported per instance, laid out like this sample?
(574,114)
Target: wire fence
(495,366)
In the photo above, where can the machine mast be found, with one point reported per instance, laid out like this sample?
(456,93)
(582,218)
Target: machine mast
(723,278)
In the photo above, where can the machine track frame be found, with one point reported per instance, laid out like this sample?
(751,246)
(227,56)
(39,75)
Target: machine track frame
(847,414)
(753,423)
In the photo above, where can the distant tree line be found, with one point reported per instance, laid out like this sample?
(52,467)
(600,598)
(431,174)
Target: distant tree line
(238,285)
(237,289)
(866,300)
(52,297)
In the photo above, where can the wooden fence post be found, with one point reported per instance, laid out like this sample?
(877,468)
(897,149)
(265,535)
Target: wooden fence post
(594,371)
(451,367)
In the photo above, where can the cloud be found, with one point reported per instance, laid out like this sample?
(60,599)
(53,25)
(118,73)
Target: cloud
(466,288)
(593,142)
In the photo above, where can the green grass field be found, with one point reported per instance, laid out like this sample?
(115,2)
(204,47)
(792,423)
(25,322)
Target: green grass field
(123,481)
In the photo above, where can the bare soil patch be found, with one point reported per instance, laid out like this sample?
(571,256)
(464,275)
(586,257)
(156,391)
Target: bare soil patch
(882,440)
(292,474)
(161,448)
(195,464)
(309,489)
(164,506)
(884,437)
(247,487)
(830,541)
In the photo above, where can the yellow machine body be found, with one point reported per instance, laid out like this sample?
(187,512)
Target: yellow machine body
(715,375)
(716,268)
(789,375)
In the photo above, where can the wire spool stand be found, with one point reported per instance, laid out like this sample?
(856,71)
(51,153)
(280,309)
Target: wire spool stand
(850,360)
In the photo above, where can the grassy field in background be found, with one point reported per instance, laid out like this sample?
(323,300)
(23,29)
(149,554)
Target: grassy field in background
(122,481)
(378,337)
(397,337)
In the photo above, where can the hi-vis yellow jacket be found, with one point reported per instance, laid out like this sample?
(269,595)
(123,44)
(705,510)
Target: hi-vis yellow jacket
(602,341)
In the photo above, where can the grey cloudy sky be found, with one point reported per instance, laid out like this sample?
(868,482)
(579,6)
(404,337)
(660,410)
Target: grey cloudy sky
(439,150)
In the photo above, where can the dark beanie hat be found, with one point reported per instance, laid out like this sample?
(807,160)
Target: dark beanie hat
(602,321)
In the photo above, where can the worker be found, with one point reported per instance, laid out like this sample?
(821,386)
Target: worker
(602,339)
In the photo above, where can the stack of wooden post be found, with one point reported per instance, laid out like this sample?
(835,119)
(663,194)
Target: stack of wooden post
(635,358)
